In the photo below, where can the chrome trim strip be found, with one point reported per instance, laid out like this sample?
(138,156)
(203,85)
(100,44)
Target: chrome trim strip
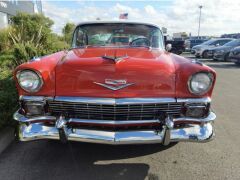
(193,133)
(19,117)
(116,100)
(109,101)
(211,117)
(35,98)
(194,100)
(74,120)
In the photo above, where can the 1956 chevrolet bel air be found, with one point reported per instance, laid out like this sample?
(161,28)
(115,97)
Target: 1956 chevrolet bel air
(116,85)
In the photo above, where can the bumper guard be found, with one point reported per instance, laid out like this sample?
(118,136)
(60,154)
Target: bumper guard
(193,130)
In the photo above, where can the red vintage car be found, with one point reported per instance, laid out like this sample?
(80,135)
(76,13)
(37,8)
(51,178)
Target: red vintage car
(113,92)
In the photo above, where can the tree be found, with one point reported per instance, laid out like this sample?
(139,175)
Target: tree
(29,26)
(67,32)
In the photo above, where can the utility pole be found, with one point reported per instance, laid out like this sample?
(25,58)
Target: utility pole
(199,22)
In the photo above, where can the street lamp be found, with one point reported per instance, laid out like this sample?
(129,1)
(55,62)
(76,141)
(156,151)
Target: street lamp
(199,22)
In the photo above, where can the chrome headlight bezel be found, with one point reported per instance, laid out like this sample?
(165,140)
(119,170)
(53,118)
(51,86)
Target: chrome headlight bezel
(34,73)
(211,78)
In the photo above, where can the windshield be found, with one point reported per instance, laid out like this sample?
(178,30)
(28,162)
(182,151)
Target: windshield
(233,43)
(117,35)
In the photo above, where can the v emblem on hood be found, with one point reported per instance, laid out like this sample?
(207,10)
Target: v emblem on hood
(114,84)
(114,59)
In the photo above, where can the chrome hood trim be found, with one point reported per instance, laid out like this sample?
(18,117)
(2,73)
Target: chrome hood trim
(116,100)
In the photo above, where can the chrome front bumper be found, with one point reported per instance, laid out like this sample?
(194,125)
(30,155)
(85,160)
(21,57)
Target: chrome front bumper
(194,130)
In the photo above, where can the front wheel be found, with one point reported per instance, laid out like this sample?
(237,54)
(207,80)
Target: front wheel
(226,57)
(205,54)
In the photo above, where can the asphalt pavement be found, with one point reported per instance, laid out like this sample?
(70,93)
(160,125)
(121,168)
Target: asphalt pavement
(216,160)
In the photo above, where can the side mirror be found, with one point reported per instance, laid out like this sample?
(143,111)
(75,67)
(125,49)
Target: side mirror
(168,47)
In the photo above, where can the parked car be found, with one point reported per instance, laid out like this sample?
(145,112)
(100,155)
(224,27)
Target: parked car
(222,53)
(202,49)
(234,55)
(115,94)
(190,43)
(178,46)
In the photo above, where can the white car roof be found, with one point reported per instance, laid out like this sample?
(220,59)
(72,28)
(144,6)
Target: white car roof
(120,21)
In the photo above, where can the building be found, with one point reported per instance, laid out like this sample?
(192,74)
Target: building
(235,35)
(180,35)
(12,7)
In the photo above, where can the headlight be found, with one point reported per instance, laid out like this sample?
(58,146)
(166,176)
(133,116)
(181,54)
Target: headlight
(200,83)
(29,80)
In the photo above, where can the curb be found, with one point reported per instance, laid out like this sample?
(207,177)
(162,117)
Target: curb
(6,137)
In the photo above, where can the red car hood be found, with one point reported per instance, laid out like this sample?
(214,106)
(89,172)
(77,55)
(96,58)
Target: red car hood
(84,72)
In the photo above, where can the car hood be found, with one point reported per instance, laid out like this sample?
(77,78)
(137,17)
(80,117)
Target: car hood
(199,46)
(115,72)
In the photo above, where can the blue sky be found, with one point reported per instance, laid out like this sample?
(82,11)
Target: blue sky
(218,16)
(160,5)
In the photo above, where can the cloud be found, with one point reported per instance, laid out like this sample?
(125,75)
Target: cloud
(150,10)
(218,16)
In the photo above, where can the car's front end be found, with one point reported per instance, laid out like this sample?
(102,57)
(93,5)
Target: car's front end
(195,48)
(234,55)
(201,51)
(198,51)
(116,94)
(221,53)
(115,121)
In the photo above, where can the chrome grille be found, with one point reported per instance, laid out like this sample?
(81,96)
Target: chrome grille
(115,111)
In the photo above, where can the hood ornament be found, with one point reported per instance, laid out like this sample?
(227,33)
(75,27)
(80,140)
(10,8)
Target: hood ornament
(114,84)
(114,59)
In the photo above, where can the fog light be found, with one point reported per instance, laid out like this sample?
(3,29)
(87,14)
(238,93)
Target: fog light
(195,111)
(34,108)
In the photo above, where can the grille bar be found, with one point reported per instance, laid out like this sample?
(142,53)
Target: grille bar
(115,111)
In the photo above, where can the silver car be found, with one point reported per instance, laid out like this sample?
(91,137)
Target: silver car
(202,49)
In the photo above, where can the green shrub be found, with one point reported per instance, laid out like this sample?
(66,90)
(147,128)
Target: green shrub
(27,37)
(8,97)
(4,39)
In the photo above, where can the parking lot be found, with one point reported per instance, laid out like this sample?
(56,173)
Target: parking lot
(218,159)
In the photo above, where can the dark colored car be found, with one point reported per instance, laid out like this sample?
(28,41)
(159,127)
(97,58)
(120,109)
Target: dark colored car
(222,53)
(234,56)
(178,46)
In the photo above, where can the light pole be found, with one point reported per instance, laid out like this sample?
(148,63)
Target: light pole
(199,22)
